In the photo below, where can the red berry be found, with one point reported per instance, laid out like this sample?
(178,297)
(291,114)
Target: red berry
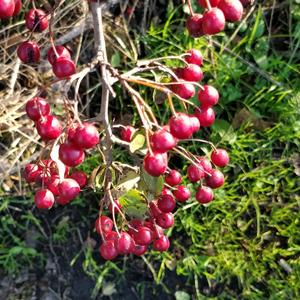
(108,250)
(44,199)
(166,191)
(213,3)
(62,201)
(162,141)
(232,9)
(208,97)
(117,207)
(61,51)
(104,225)
(157,231)
(220,157)
(204,195)
(215,180)
(194,57)
(31,172)
(111,236)
(143,236)
(63,67)
(124,243)
(127,133)
(195,173)
(161,244)
(166,203)
(184,90)
(36,108)
(69,189)
(213,21)
(7,8)
(195,123)
(36,20)
(165,220)
(86,136)
(206,117)
(192,72)
(194,25)
(173,178)
(53,184)
(154,210)
(134,225)
(18,7)
(71,155)
(80,177)
(205,164)
(139,250)
(180,126)
(49,128)
(155,164)
(29,52)
(182,193)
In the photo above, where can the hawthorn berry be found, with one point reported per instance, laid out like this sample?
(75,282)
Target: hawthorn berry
(180,126)
(206,116)
(155,164)
(213,21)
(63,67)
(195,173)
(108,250)
(53,184)
(139,249)
(182,193)
(184,90)
(204,195)
(48,127)
(154,210)
(29,52)
(216,179)
(80,177)
(232,9)
(194,25)
(208,97)
(161,244)
(192,72)
(205,164)
(31,171)
(104,225)
(127,133)
(165,220)
(220,157)
(194,57)
(36,20)
(124,243)
(7,8)
(61,52)
(173,178)
(18,7)
(162,141)
(117,207)
(86,136)
(111,236)
(69,189)
(166,203)
(213,3)
(195,123)
(143,236)
(44,199)
(36,108)
(70,155)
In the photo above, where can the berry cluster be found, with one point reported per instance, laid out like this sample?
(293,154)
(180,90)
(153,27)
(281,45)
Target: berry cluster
(9,8)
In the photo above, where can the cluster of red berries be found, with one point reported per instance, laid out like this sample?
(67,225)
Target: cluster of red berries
(9,8)
(78,138)
(215,15)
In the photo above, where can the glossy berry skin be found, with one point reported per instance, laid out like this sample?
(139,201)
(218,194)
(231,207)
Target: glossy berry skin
(117,207)
(173,178)
(31,171)
(213,21)
(7,8)
(182,193)
(194,25)
(180,126)
(124,243)
(208,97)
(162,141)
(204,195)
(108,250)
(195,123)
(206,117)
(111,236)
(205,164)
(53,184)
(36,20)
(161,244)
(36,108)
(166,203)
(63,67)
(220,157)
(155,164)
(48,127)
(44,199)
(216,179)
(143,236)
(213,3)
(71,155)
(61,51)
(139,250)
(18,7)
(80,177)
(86,136)
(104,225)
(194,57)
(29,52)
(127,133)
(195,173)
(69,189)
(165,220)
(154,210)
(192,72)
(184,90)
(232,9)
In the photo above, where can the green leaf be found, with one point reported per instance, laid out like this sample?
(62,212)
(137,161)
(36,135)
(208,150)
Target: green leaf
(150,184)
(128,180)
(181,295)
(115,59)
(137,143)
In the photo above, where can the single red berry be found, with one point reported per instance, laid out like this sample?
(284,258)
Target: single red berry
(139,250)
(117,207)
(194,57)
(80,177)
(165,220)
(127,133)
(53,184)
(194,25)
(18,7)
(166,191)
(161,244)
(232,9)
(182,193)
(31,172)
(208,97)
(7,8)
(166,203)
(173,178)
(205,164)
(178,72)
(143,236)
(61,52)
(213,3)
(180,126)
(213,21)
(36,20)
(220,157)
(29,52)
(69,189)
(44,199)
(192,72)
(62,201)
(154,210)
(111,236)
(36,108)
(157,231)
(108,250)
(215,180)
(206,117)
(155,164)
(134,225)
(195,123)
(48,127)
(195,173)
(124,243)
(184,90)
(71,155)
(63,67)
(204,194)
(104,225)
(86,136)
(162,141)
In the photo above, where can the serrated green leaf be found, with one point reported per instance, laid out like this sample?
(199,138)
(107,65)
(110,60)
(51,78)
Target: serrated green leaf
(137,143)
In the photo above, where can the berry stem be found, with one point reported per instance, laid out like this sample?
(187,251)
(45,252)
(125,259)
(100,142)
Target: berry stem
(208,4)
(190,7)
(201,141)
(171,104)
